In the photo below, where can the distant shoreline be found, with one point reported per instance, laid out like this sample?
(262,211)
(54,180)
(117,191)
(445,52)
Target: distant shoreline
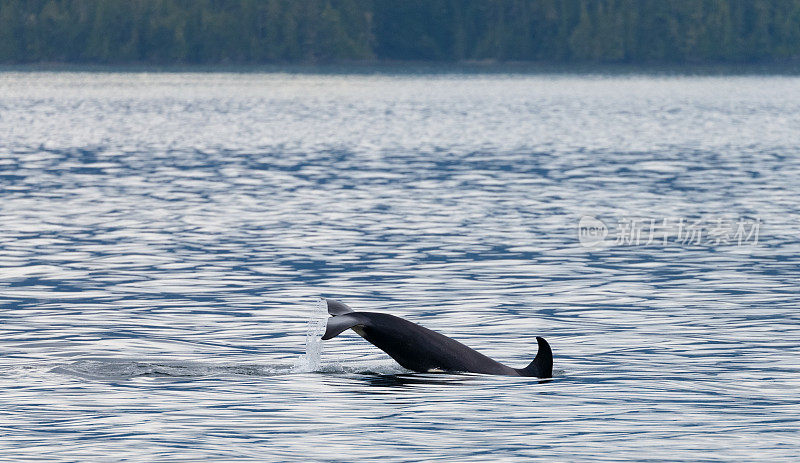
(789,68)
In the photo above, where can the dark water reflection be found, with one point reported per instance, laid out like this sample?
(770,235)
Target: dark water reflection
(163,237)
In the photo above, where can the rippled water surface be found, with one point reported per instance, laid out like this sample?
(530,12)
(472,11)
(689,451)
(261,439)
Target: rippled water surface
(164,237)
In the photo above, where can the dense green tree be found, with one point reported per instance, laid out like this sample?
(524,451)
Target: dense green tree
(270,31)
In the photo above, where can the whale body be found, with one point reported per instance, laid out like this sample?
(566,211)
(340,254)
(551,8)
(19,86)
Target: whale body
(419,349)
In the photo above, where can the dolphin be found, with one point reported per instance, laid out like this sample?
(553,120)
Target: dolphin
(420,349)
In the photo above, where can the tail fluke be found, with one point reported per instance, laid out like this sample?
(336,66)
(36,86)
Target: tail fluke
(337,308)
(341,319)
(542,364)
(336,325)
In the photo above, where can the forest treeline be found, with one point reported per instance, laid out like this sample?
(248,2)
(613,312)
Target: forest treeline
(314,31)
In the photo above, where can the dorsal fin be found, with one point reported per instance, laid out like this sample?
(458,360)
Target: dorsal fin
(542,365)
(337,308)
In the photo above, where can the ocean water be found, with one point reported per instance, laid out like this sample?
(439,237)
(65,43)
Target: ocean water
(165,237)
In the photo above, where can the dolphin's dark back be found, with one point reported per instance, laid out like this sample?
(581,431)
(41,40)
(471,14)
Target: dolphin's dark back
(420,349)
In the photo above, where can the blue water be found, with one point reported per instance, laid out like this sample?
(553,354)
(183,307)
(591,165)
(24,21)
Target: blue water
(164,237)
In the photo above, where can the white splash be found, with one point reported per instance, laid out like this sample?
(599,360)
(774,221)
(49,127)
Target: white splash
(310,361)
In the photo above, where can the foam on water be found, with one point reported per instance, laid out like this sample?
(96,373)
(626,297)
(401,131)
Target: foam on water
(117,369)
